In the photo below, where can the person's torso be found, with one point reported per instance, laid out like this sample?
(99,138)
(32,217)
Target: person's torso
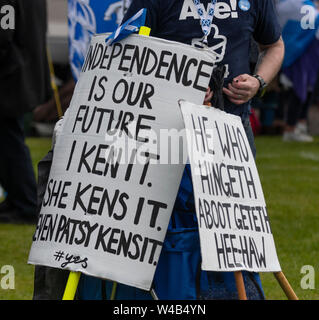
(232,28)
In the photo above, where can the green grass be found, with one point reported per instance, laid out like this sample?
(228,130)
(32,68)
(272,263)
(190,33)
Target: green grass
(16,240)
(15,245)
(290,177)
(289,173)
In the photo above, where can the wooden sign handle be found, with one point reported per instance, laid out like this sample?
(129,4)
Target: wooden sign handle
(285,286)
(71,286)
(240,285)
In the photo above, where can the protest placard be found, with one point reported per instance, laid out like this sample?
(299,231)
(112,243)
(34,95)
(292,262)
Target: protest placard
(234,226)
(113,182)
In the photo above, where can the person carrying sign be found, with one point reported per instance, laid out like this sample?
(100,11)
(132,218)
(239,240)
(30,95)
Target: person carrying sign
(178,274)
(226,27)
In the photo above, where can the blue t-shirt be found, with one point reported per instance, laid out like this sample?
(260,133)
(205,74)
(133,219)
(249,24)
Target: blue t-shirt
(232,30)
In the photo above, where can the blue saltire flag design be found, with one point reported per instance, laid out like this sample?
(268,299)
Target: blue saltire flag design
(131,25)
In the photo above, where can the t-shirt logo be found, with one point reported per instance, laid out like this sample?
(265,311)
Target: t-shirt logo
(206,23)
(219,46)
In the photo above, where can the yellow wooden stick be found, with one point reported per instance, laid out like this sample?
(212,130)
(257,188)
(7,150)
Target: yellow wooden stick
(74,277)
(113,294)
(71,286)
(144,31)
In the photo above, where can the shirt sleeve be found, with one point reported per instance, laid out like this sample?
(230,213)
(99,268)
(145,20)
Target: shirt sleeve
(152,7)
(267,28)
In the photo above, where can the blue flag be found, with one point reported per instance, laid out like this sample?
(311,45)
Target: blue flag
(130,26)
(86,18)
(296,37)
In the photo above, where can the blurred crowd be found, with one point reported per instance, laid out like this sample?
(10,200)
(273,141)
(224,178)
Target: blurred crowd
(290,106)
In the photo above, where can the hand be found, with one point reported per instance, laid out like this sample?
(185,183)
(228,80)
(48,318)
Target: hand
(208,97)
(242,89)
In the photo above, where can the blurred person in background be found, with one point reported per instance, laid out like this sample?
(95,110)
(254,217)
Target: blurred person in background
(85,18)
(300,24)
(24,83)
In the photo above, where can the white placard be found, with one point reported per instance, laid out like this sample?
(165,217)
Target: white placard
(234,226)
(113,185)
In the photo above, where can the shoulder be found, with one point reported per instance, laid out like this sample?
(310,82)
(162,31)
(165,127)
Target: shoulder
(148,4)
(153,11)
(152,7)
(262,5)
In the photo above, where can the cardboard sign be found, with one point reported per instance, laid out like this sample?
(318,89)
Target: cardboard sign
(113,183)
(235,232)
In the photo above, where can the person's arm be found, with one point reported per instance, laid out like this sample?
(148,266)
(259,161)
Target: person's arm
(244,87)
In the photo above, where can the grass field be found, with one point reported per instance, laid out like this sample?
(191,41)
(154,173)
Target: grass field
(290,177)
